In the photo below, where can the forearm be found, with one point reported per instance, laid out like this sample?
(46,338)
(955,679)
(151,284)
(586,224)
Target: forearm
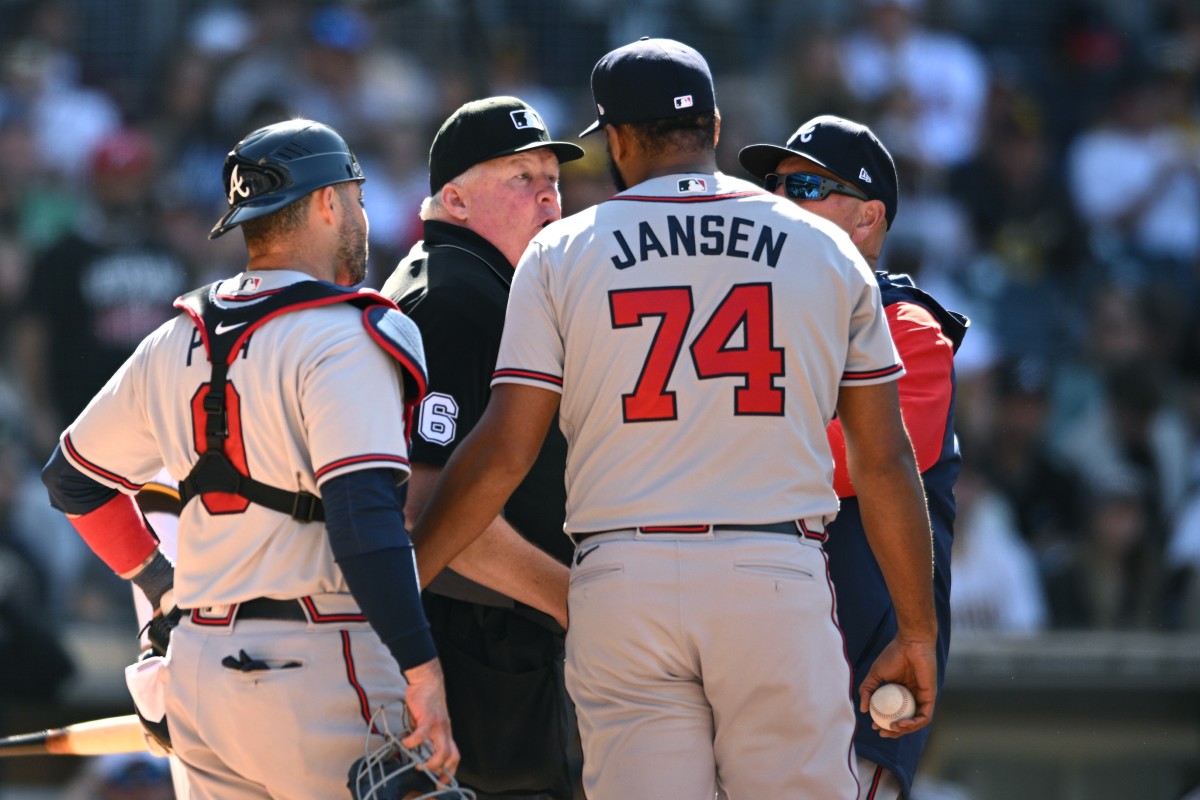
(503,560)
(482,474)
(897,525)
(470,493)
(892,502)
(364,520)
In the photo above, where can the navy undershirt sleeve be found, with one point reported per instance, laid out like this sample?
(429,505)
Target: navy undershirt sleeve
(72,492)
(364,519)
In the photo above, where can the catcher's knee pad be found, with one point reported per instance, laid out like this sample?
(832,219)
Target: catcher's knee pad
(390,771)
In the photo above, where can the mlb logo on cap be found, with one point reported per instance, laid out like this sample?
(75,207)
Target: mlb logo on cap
(650,79)
(527,118)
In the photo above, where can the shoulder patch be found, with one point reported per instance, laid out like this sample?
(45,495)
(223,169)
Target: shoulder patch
(400,337)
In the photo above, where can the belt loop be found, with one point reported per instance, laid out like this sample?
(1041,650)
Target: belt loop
(819,535)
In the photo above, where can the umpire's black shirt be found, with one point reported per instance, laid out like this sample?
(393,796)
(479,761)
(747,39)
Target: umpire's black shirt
(454,284)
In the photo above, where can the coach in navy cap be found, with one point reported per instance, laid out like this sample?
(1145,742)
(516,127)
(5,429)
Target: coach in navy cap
(848,151)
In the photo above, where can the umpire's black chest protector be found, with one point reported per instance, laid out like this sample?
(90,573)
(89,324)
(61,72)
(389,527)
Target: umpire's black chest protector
(224,332)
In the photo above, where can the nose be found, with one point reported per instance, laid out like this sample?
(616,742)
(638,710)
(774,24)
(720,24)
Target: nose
(547,195)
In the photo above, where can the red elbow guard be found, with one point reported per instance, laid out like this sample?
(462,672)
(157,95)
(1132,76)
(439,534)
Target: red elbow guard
(117,532)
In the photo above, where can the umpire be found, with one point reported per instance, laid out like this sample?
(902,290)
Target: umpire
(493,179)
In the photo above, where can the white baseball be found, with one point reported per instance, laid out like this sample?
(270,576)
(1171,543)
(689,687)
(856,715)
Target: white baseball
(892,702)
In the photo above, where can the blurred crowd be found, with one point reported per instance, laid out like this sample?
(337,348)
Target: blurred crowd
(1049,161)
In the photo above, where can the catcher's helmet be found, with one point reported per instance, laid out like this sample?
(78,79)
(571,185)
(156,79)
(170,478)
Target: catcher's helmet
(277,165)
(390,771)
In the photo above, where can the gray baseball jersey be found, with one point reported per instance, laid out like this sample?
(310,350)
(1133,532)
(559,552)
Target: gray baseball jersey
(699,329)
(670,373)
(300,396)
(292,425)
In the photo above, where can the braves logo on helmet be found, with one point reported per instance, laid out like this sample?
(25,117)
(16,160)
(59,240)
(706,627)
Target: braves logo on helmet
(237,187)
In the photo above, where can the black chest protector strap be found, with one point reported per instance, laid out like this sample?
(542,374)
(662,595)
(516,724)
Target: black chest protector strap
(224,332)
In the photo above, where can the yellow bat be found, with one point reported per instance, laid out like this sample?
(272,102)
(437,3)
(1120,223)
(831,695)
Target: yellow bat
(94,738)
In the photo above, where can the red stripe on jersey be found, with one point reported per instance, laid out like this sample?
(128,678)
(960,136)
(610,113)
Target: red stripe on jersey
(875,780)
(317,616)
(96,469)
(645,198)
(850,754)
(528,373)
(342,462)
(875,373)
(198,321)
(364,706)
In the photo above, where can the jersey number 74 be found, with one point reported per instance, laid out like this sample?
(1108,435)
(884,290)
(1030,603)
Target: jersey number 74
(747,307)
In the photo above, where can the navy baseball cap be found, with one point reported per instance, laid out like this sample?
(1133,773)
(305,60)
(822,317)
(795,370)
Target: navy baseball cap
(485,129)
(847,149)
(650,79)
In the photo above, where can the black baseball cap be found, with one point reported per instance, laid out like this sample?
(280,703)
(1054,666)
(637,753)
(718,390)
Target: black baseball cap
(650,79)
(847,149)
(485,129)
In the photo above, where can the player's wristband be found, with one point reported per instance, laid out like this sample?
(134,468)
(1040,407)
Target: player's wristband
(117,532)
(156,579)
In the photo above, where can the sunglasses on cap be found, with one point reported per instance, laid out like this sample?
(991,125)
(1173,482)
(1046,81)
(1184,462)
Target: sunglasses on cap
(807,186)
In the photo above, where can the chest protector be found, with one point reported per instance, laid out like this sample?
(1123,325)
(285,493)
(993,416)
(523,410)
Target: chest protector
(225,330)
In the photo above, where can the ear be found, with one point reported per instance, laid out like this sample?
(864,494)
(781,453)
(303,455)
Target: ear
(872,217)
(716,127)
(325,202)
(616,143)
(454,200)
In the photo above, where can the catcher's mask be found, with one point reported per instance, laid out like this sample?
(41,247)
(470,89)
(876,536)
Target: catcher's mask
(277,165)
(392,771)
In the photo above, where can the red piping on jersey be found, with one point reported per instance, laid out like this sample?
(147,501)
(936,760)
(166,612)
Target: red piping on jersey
(342,462)
(316,616)
(874,373)
(364,705)
(846,656)
(875,780)
(528,373)
(93,468)
(641,198)
(198,322)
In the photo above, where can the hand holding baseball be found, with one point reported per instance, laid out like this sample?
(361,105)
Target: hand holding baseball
(890,703)
(907,665)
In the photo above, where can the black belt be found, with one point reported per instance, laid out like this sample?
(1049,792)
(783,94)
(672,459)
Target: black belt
(268,608)
(789,528)
(299,610)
